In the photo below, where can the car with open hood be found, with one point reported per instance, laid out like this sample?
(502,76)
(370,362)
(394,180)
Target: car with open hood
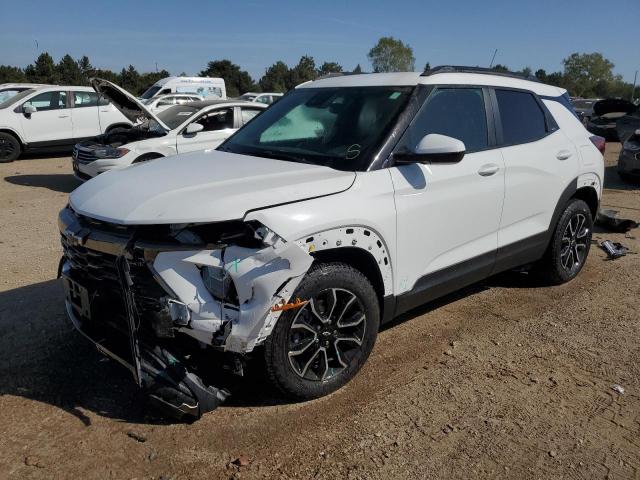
(186,127)
(605,115)
(350,201)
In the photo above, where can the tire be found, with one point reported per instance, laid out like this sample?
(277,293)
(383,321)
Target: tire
(628,178)
(297,351)
(570,244)
(10,148)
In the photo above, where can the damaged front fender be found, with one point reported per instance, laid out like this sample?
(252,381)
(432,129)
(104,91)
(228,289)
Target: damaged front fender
(262,278)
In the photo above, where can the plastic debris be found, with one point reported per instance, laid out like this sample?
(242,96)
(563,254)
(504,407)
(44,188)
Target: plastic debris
(617,388)
(614,249)
(609,220)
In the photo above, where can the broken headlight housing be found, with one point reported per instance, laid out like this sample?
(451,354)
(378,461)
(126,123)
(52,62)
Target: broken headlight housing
(218,282)
(110,152)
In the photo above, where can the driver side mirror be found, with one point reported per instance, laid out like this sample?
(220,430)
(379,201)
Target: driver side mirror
(433,148)
(193,128)
(28,109)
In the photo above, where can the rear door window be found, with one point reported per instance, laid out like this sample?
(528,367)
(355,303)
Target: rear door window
(522,118)
(249,113)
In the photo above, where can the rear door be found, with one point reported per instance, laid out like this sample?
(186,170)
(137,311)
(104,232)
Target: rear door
(448,213)
(540,162)
(85,116)
(218,125)
(51,123)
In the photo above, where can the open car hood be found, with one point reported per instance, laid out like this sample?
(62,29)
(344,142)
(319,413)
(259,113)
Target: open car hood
(613,105)
(205,186)
(628,126)
(128,105)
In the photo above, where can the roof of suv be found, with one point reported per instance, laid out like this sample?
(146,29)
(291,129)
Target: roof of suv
(436,78)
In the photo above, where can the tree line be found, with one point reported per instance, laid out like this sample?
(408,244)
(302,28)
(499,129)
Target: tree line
(583,74)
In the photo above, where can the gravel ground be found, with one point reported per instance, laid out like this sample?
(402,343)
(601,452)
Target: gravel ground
(506,379)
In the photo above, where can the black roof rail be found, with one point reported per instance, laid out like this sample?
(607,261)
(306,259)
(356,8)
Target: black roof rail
(482,70)
(339,74)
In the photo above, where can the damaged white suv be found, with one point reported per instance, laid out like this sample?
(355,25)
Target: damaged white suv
(351,200)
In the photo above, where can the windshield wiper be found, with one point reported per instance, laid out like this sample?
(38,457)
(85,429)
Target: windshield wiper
(280,156)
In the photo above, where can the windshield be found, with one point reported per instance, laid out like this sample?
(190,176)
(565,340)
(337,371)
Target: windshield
(175,116)
(15,98)
(335,127)
(151,92)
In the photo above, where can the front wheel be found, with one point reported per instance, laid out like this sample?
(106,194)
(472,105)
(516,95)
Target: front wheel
(319,347)
(570,243)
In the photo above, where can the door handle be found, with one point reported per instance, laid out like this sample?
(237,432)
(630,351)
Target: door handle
(563,154)
(63,116)
(488,169)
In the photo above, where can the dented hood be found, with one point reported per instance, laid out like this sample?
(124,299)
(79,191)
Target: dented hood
(128,105)
(198,187)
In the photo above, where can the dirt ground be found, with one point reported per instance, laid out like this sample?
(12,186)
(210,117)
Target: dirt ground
(507,379)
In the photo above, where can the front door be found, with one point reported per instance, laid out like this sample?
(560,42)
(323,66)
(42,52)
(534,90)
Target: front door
(448,213)
(218,126)
(51,123)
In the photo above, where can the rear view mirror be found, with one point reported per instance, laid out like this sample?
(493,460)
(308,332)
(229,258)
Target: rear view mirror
(28,109)
(193,128)
(434,148)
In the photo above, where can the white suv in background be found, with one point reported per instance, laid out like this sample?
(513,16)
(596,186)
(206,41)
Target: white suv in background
(162,102)
(350,201)
(267,97)
(53,117)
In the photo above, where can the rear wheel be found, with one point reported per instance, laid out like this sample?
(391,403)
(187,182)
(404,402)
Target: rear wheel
(9,148)
(570,243)
(319,347)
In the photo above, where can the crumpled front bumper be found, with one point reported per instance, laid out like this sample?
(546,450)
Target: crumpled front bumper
(121,294)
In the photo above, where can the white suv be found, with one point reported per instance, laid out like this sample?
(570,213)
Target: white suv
(348,202)
(53,117)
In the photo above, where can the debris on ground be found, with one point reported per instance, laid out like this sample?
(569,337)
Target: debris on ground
(617,388)
(609,220)
(614,249)
(241,461)
(138,437)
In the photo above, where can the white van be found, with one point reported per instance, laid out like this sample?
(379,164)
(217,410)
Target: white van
(207,87)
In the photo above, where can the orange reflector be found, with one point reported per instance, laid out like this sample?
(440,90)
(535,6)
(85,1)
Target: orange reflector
(289,306)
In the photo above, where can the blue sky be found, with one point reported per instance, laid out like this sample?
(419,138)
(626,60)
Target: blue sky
(184,35)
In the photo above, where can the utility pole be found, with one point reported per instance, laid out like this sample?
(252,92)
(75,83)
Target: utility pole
(493,58)
(156,67)
(633,90)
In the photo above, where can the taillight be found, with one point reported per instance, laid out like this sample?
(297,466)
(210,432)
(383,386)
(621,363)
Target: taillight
(599,142)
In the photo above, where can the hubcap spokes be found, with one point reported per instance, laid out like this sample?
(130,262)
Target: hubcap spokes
(326,334)
(574,243)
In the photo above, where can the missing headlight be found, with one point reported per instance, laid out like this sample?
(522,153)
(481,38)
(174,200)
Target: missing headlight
(219,284)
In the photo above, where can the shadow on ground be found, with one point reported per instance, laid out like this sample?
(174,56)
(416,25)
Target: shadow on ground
(43,358)
(57,182)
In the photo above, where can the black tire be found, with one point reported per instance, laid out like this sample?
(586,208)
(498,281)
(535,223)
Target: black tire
(570,244)
(10,148)
(337,357)
(146,157)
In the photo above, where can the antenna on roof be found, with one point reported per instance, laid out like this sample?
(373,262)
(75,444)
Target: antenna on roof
(493,58)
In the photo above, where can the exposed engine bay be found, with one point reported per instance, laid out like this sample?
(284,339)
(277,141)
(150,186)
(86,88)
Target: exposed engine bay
(178,305)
